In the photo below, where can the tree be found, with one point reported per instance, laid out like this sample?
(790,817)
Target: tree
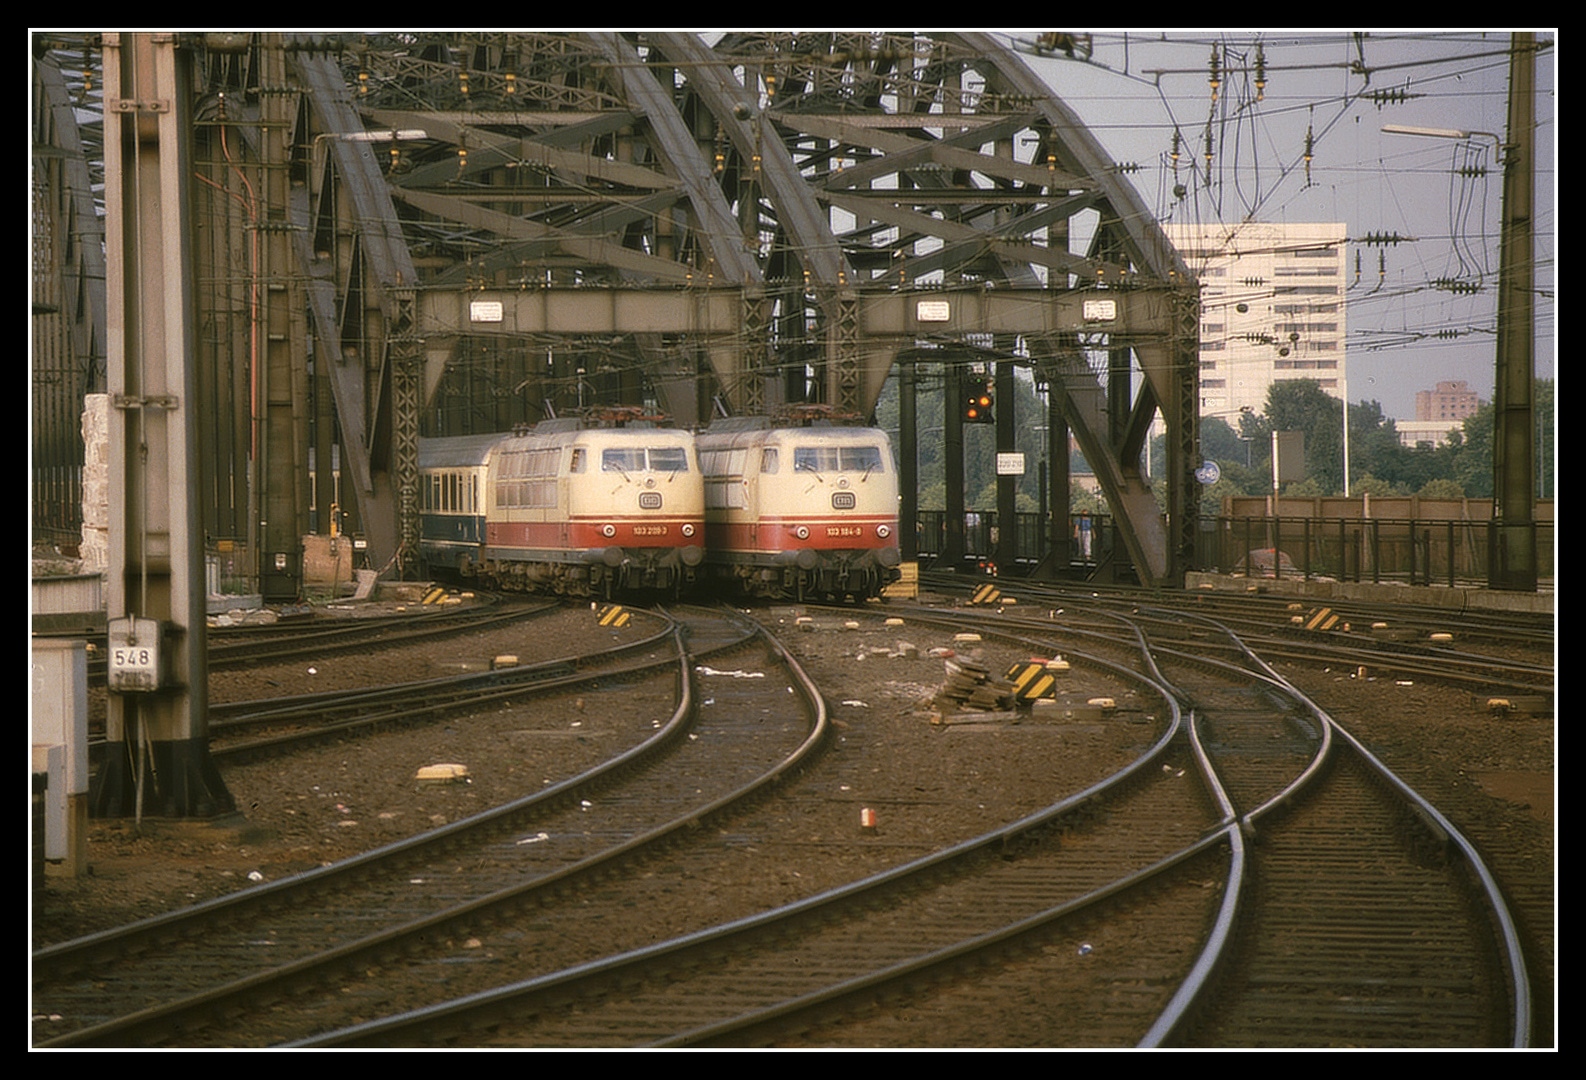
(980,444)
(1471,460)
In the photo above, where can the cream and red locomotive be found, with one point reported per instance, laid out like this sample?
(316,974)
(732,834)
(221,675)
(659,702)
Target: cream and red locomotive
(580,507)
(799,510)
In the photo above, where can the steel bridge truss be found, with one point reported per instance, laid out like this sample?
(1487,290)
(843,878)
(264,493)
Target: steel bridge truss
(459,232)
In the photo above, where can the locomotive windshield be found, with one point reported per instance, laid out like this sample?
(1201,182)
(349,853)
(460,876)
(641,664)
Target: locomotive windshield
(863,459)
(626,459)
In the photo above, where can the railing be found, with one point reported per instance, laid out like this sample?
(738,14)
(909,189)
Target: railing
(1091,540)
(1414,552)
(1406,550)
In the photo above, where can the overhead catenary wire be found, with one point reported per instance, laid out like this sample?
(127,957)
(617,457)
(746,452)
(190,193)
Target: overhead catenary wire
(1238,66)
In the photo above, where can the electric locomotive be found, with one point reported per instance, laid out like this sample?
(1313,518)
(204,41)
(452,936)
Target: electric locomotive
(800,511)
(598,505)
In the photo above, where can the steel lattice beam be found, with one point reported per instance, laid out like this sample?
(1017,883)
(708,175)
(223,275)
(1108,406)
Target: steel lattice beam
(720,225)
(68,282)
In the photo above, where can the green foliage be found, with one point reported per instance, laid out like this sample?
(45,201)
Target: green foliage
(1378,463)
(980,445)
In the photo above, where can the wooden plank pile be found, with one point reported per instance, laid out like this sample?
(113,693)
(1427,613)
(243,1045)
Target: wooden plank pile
(970,687)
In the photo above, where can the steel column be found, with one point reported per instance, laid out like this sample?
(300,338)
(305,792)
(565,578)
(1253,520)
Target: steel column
(159,760)
(1514,548)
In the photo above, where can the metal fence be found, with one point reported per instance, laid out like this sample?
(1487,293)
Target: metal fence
(1092,540)
(1411,551)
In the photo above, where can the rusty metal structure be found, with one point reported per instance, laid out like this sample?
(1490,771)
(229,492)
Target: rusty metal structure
(445,233)
(67,358)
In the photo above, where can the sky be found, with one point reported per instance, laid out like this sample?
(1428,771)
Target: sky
(1336,89)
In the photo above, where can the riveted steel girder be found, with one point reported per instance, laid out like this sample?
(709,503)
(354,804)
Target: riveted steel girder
(361,282)
(793,188)
(67,325)
(157,722)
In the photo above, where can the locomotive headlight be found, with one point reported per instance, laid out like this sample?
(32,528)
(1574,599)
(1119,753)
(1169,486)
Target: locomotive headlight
(608,531)
(802,532)
(883,531)
(688,529)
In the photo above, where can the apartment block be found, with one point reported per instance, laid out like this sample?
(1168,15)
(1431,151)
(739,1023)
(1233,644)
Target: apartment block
(1450,401)
(1273,299)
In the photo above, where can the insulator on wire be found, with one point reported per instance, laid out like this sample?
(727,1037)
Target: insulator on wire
(1216,76)
(1261,73)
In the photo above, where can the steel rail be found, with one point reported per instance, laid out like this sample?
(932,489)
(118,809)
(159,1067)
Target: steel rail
(67,951)
(1227,830)
(1514,953)
(381,1032)
(927,962)
(1498,907)
(237,993)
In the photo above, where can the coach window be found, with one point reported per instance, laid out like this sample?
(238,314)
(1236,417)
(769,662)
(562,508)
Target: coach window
(668,459)
(768,460)
(578,459)
(810,459)
(623,460)
(860,459)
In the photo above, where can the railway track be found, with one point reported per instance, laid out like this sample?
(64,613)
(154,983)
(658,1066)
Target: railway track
(401,911)
(1350,912)
(1485,652)
(303,636)
(1176,901)
(782,977)
(706,985)
(244,729)
(1371,921)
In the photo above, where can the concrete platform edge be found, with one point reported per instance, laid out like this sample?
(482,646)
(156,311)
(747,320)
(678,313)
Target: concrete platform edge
(1433,596)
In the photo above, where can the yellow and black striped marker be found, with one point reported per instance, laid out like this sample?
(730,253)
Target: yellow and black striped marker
(1031,680)
(614,615)
(435,595)
(1321,619)
(985,594)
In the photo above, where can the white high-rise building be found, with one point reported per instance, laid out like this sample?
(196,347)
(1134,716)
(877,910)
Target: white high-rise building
(1272,308)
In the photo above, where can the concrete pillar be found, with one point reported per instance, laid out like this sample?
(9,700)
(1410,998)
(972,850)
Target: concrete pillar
(95,549)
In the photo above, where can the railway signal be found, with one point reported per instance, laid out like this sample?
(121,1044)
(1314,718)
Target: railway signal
(978,406)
